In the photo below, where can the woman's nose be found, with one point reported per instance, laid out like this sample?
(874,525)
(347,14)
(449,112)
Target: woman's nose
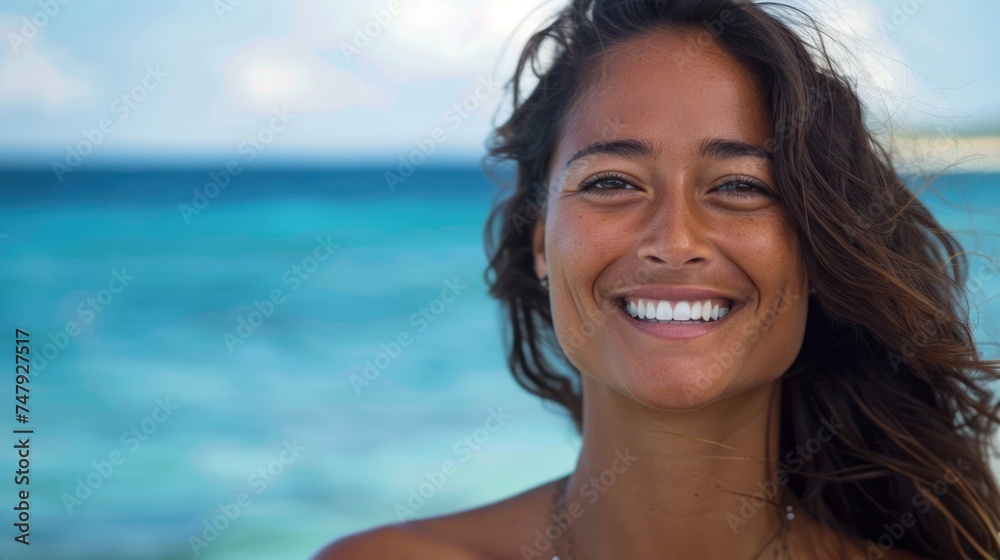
(673,234)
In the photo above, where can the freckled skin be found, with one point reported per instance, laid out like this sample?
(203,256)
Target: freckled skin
(673,227)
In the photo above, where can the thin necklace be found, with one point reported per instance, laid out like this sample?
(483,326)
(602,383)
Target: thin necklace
(566,533)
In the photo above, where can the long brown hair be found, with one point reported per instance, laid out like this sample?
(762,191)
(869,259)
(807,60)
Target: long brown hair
(888,349)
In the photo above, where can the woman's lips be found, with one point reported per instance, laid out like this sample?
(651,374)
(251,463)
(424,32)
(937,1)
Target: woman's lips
(702,309)
(678,330)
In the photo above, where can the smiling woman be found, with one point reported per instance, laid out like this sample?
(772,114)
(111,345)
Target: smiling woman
(709,261)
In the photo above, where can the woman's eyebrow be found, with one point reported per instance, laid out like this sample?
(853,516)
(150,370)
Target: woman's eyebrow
(719,148)
(629,148)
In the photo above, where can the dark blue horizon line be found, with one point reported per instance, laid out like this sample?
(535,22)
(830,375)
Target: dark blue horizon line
(201,166)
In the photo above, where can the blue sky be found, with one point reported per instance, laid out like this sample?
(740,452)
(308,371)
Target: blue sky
(204,79)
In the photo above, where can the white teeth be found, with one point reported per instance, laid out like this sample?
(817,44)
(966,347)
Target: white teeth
(682,311)
(656,310)
(663,312)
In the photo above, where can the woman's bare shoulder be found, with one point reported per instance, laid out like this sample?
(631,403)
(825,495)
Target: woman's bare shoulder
(395,542)
(496,531)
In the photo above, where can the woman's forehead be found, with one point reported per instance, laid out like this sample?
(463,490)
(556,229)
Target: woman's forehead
(671,89)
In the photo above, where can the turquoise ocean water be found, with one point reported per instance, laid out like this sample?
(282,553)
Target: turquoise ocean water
(197,391)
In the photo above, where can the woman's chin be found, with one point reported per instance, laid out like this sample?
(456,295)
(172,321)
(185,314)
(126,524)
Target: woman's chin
(676,394)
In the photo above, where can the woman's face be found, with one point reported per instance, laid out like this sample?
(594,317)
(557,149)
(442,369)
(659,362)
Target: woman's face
(662,197)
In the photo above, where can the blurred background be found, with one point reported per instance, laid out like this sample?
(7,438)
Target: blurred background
(245,237)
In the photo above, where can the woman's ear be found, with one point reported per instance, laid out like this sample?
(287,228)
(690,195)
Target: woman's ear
(538,249)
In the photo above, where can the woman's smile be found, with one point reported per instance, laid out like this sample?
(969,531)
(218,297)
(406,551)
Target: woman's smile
(675,313)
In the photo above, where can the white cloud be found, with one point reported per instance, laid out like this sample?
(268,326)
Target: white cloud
(30,77)
(274,73)
(431,39)
(289,70)
(424,40)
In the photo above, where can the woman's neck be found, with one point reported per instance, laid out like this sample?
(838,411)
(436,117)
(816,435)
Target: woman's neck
(700,484)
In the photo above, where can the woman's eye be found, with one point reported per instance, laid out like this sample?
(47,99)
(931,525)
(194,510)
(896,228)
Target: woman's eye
(606,185)
(745,188)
